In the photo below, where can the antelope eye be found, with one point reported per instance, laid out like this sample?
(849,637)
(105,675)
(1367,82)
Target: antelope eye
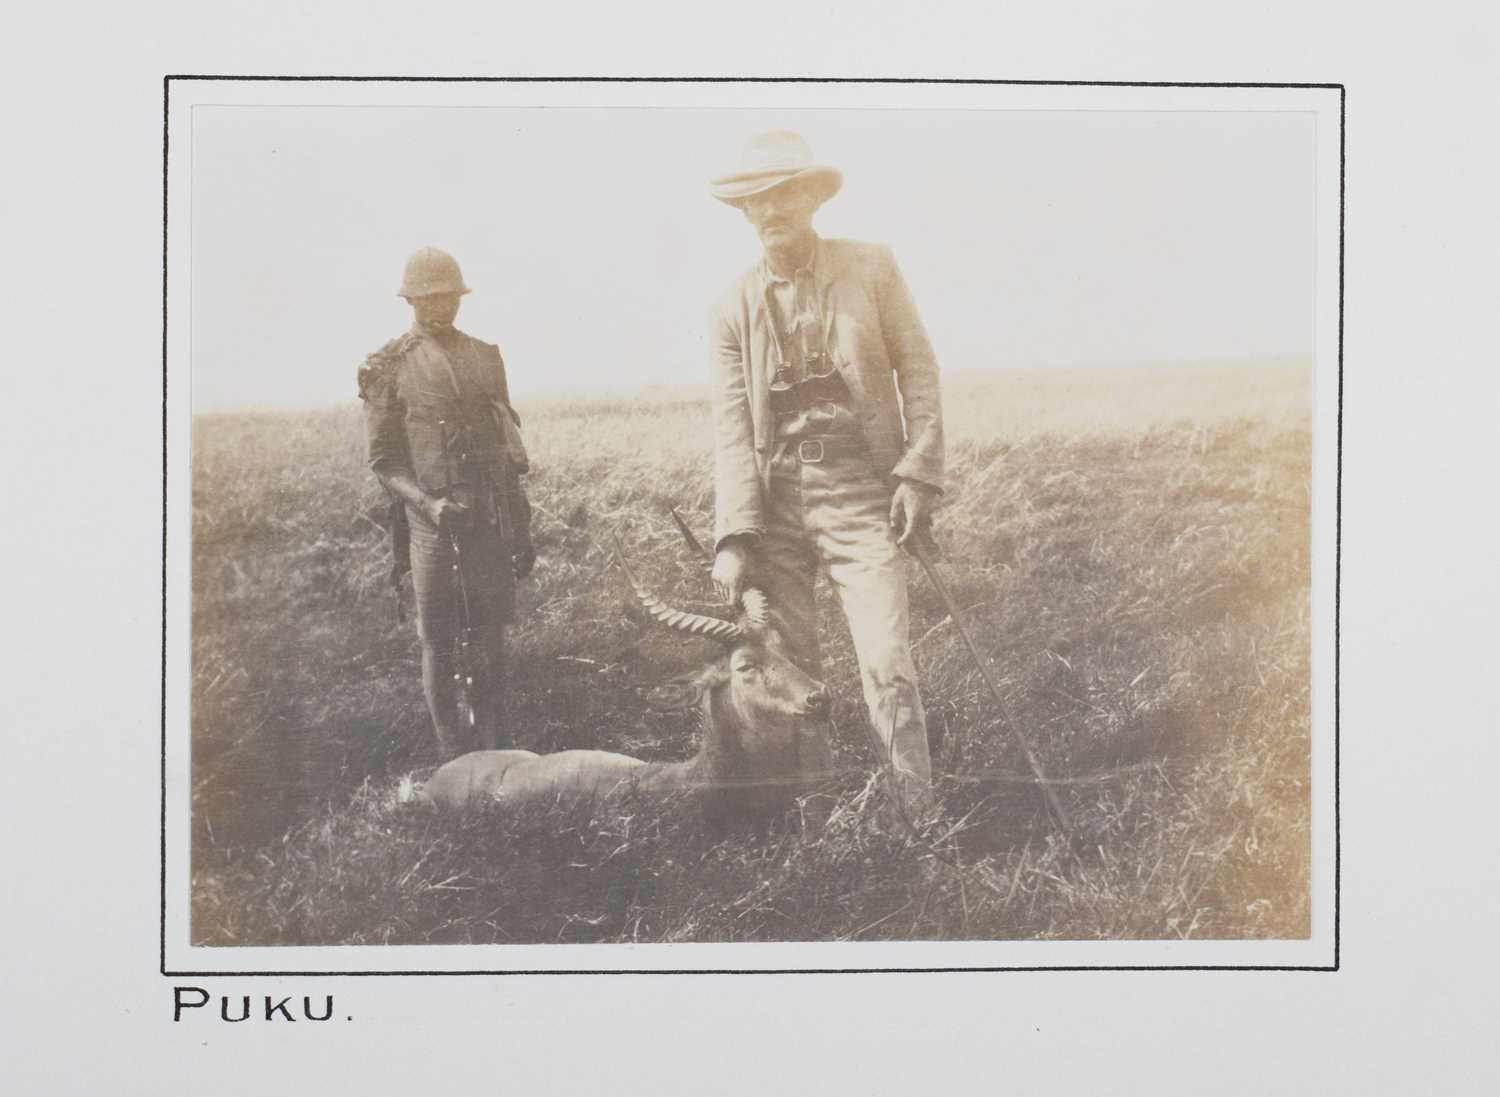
(746,667)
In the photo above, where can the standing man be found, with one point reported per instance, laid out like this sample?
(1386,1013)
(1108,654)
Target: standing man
(445,442)
(828,438)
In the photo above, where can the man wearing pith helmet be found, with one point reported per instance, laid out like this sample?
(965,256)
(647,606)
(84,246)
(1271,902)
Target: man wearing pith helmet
(445,443)
(828,438)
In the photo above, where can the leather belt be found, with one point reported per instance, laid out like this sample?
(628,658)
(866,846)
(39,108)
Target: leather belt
(814,451)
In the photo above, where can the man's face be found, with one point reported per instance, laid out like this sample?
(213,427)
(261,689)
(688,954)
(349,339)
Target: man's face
(436,310)
(783,215)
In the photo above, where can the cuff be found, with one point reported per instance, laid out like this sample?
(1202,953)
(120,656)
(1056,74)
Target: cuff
(749,534)
(935,485)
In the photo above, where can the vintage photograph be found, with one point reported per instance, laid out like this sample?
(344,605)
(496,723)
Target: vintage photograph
(737,516)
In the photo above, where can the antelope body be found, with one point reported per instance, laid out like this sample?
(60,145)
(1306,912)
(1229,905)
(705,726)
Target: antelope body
(754,702)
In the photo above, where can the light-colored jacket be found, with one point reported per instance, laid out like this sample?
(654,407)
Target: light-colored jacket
(876,341)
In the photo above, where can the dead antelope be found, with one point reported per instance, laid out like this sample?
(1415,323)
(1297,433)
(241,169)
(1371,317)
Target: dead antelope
(753,701)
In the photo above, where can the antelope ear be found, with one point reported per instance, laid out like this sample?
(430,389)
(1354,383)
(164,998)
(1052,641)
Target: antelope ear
(685,691)
(673,695)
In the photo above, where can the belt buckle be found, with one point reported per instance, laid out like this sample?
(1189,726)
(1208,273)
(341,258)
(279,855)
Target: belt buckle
(810,451)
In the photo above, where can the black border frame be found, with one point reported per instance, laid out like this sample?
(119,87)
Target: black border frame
(1338,513)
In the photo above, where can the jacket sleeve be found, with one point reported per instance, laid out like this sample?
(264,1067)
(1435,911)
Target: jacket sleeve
(385,415)
(916,373)
(501,381)
(508,419)
(737,498)
(516,517)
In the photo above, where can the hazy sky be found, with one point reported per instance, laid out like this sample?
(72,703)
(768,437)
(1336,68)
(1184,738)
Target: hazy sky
(1029,238)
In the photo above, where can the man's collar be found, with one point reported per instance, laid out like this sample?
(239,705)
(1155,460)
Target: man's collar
(419,329)
(769,277)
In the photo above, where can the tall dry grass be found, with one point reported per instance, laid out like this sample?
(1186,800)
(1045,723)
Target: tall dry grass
(1132,547)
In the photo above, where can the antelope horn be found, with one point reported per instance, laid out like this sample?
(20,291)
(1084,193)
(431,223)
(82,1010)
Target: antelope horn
(752,600)
(694,624)
(756,605)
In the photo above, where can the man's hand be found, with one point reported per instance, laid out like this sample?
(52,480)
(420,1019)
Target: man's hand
(523,559)
(911,509)
(445,514)
(731,570)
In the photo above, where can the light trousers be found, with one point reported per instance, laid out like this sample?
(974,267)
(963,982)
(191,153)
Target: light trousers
(834,516)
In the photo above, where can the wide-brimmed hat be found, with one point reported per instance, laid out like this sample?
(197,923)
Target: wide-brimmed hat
(768,161)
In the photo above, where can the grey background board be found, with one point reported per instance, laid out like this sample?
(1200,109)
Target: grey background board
(1406,1010)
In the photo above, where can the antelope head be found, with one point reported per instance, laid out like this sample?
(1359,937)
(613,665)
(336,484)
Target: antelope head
(754,697)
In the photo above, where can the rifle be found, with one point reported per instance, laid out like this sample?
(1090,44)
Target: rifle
(693,542)
(463,676)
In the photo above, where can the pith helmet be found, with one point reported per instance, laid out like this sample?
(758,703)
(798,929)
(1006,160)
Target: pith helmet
(769,160)
(431,271)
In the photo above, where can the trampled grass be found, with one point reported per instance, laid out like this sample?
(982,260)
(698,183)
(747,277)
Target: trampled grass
(1131,546)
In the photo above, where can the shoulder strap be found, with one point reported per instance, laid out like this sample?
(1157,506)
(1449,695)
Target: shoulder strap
(381,367)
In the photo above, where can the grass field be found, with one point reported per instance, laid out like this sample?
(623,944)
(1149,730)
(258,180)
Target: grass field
(1132,547)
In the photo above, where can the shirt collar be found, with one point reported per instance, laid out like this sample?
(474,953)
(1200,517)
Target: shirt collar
(447,332)
(770,278)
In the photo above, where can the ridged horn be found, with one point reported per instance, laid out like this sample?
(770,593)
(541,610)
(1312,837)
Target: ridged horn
(756,605)
(694,624)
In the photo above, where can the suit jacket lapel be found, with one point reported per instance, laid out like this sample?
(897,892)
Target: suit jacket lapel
(762,341)
(834,277)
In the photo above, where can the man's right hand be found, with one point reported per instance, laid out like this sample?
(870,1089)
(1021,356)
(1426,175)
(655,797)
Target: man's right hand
(731,570)
(445,514)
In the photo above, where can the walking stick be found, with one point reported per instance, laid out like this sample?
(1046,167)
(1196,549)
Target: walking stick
(921,545)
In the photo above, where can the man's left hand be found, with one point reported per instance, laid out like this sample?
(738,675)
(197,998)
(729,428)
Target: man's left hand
(911,509)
